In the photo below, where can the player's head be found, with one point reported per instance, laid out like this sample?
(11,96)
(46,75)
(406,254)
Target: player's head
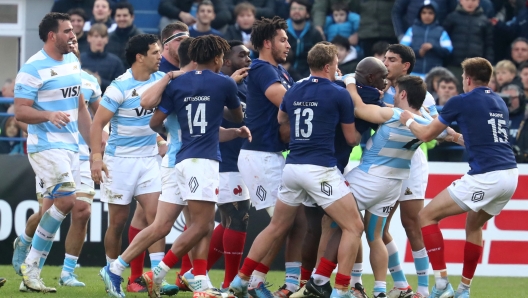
(209,50)
(171,37)
(476,73)
(144,49)
(237,57)
(56,28)
(183,52)
(372,72)
(399,60)
(410,89)
(269,36)
(322,60)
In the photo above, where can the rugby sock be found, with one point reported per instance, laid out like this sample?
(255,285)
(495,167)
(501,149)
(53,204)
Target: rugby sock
(109,260)
(118,266)
(342,281)
(421,263)
(69,265)
(305,275)
(25,239)
(259,275)
(323,272)
(357,271)
(155,259)
(216,246)
(233,249)
(462,287)
(169,261)
(43,257)
(395,268)
(248,267)
(136,265)
(472,253)
(434,244)
(199,267)
(380,287)
(293,271)
(41,244)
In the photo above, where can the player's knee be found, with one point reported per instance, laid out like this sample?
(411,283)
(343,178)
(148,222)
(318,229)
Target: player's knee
(82,215)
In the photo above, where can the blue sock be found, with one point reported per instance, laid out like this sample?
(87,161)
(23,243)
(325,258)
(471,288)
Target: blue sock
(395,268)
(421,263)
(380,287)
(25,239)
(43,239)
(69,264)
(293,272)
(155,259)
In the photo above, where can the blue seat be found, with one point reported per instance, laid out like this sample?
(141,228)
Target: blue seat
(146,15)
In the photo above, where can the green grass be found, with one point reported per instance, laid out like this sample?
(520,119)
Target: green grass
(482,287)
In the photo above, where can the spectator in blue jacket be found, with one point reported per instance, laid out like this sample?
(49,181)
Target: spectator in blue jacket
(429,41)
(342,22)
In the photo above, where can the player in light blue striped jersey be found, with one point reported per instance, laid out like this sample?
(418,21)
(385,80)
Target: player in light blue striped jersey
(48,98)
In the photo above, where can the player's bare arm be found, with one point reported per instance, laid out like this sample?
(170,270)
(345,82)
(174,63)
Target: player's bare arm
(236,115)
(152,96)
(424,133)
(284,129)
(275,93)
(25,112)
(228,134)
(101,118)
(352,136)
(370,113)
(93,107)
(84,120)
(156,122)
(240,74)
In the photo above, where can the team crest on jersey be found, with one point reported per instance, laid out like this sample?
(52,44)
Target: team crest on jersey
(134,93)
(75,67)
(198,72)
(315,80)
(53,73)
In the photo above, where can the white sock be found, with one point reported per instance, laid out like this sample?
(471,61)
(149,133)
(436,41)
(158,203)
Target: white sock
(117,268)
(256,278)
(440,282)
(320,280)
(109,260)
(357,271)
(160,272)
(27,238)
(462,286)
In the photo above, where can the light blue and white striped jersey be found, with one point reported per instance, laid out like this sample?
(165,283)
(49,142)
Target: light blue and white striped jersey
(389,151)
(131,135)
(91,91)
(52,86)
(174,140)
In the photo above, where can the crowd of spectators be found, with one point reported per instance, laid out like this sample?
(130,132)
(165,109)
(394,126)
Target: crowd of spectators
(442,34)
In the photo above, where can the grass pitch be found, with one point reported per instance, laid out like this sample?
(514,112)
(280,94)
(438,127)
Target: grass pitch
(482,287)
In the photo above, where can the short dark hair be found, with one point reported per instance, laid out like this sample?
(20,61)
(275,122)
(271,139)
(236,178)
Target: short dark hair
(478,69)
(170,28)
(340,6)
(519,39)
(380,47)
(415,88)
(125,4)
(321,54)
(139,44)
(205,48)
(266,29)
(50,22)
(243,6)
(406,54)
(341,41)
(183,52)
(447,80)
(523,66)
(232,44)
(78,12)
(304,3)
(205,2)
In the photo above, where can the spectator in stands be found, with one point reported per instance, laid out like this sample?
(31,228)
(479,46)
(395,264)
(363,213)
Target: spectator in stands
(517,27)
(342,22)
(265,8)
(204,17)
(431,79)
(322,8)
(185,11)
(78,19)
(519,50)
(65,6)
(523,73)
(471,34)
(516,107)
(375,24)
(347,58)
(447,88)
(8,90)
(506,73)
(282,8)
(104,66)
(102,14)
(429,41)
(302,36)
(117,40)
(245,14)
(9,129)
(379,49)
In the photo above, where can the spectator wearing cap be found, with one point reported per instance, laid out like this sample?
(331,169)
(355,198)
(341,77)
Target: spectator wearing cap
(204,18)
(347,58)
(102,13)
(265,8)
(519,50)
(245,14)
(117,40)
(185,11)
(78,18)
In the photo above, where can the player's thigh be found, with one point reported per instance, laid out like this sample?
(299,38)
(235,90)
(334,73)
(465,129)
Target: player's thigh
(262,172)
(324,185)
(118,188)
(57,171)
(292,187)
(232,188)
(442,206)
(198,180)
(235,215)
(283,218)
(149,179)
(504,191)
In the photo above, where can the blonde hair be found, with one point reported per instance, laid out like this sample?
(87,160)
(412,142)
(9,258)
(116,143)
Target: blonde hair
(506,65)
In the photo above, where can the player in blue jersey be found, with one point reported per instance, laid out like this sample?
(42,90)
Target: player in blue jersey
(198,99)
(48,98)
(385,163)
(312,108)
(490,183)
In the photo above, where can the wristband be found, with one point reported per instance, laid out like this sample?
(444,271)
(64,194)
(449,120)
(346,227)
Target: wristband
(408,123)
(350,79)
(162,142)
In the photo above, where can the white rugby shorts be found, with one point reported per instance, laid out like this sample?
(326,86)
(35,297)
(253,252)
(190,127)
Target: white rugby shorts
(53,167)
(198,179)
(170,191)
(232,188)
(413,188)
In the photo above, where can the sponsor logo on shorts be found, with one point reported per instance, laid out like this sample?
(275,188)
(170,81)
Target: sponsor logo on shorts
(387,209)
(238,190)
(261,193)
(326,188)
(193,184)
(41,183)
(477,196)
(347,184)
(408,192)
(217,191)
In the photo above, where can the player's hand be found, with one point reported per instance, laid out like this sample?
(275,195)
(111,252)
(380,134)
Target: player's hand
(245,133)
(187,18)
(339,73)
(404,116)
(240,74)
(451,135)
(59,119)
(175,74)
(97,167)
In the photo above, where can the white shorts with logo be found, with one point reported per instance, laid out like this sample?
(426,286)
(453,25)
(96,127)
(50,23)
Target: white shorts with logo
(55,167)
(198,179)
(262,173)
(375,194)
(413,188)
(232,188)
(129,177)
(170,191)
(322,185)
(489,191)
(87,184)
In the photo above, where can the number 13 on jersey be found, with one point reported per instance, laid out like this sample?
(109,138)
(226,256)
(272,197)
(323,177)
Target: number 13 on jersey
(198,119)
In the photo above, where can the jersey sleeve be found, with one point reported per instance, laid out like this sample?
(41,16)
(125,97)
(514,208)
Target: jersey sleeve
(451,110)
(112,98)
(346,108)
(96,92)
(430,104)
(266,76)
(232,100)
(166,104)
(27,83)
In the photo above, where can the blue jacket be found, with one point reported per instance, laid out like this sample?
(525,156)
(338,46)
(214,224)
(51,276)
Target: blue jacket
(517,27)
(434,34)
(345,29)
(300,45)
